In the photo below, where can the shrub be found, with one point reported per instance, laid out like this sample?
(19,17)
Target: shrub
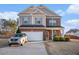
(58,38)
(55,38)
(66,38)
(18,31)
(61,38)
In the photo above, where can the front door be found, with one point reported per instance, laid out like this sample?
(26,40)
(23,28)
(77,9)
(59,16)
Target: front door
(48,34)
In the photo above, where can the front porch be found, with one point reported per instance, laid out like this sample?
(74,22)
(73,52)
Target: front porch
(48,34)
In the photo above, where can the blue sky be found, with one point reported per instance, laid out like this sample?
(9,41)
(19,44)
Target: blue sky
(20,7)
(69,13)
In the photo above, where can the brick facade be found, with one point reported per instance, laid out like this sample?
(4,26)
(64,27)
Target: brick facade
(58,21)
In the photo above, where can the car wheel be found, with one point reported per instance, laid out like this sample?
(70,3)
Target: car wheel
(21,44)
(9,44)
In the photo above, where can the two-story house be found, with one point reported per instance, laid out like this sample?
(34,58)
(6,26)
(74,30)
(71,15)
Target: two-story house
(40,23)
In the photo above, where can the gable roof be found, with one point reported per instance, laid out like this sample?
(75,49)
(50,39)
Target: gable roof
(39,9)
(73,31)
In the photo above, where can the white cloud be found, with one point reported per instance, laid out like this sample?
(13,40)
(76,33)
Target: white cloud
(71,24)
(73,9)
(8,15)
(60,12)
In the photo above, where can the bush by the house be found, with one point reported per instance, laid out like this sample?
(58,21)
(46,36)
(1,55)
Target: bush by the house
(66,38)
(55,38)
(60,38)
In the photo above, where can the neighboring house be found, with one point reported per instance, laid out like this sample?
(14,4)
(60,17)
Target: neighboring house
(2,26)
(40,23)
(2,23)
(73,33)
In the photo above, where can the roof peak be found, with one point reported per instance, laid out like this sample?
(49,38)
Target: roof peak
(40,6)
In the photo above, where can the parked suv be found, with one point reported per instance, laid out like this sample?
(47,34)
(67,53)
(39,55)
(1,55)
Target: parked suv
(18,38)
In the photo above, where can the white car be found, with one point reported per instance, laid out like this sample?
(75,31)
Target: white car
(18,38)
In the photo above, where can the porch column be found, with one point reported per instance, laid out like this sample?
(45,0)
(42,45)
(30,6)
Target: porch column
(32,19)
(62,32)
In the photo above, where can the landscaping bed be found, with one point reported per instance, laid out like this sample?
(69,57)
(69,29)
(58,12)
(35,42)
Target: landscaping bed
(61,38)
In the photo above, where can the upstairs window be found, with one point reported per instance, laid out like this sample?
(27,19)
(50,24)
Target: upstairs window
(27,20)
(52,22)
(38,20)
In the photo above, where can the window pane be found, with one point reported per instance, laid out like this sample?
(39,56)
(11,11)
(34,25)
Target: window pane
(38,20)
(27,20)
(52,22)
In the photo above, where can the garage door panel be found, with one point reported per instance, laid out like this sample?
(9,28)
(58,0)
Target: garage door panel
(34,36)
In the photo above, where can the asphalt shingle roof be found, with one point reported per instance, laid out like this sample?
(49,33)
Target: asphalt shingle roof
(41,9)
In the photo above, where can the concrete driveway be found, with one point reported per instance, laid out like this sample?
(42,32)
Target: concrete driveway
(33,48)
(41,48)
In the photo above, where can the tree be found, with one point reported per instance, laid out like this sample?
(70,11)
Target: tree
(18,31)
(12,24)
(9,27)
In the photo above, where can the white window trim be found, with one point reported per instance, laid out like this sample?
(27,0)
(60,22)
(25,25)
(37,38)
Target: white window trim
(51,21)
(25,18)
(41,20)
